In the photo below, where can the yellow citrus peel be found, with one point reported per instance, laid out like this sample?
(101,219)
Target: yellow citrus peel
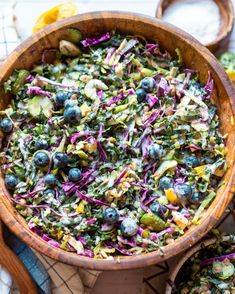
(58,12)
(200,170)
(171,196)
(81,207)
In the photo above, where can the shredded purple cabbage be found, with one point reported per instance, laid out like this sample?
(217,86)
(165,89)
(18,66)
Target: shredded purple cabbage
(90,200)
(93,41)
(144,207)
(209,261)
(88,181)
(91,221)
(32,193)
(209,87)
(122,174)
(100,95)
(81,239)
(121,249)
(151,48)
(155,50)
(106,227)
(87,253)
(193,146)
(189,70)
(140,231)
(73,214)
(35,230)
(102,153)
(145,146)
(115,100)
(163,87)
(29,79)
(172,207)
(70,187)
(37,206)
(75,136)
(181,180)
(149,200)
(50,241)
(50,123)
(151,100)
(145,133)
(53,243)
(155,236)
(31,225)
(151,118)
(67,186)
(57,195)
(124,241)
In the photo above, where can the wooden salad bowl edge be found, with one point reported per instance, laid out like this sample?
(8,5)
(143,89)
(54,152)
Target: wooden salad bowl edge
(195,56)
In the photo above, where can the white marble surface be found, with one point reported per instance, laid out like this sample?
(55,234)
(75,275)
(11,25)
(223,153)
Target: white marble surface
(29,10)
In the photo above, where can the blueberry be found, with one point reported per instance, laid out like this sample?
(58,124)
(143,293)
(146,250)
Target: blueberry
(110,215)
(61,97)
(129,227)
(41,144)
(207,160)
(61,159)
(191,161)
(183,191)
(158,209)
(72,114)
(50,180)
(6,125)
(80,68)
(70,103)
(155,151)
(141,94)
(49,192)
(11,181)
(74,174)
(214,182)
(197,197)
(165,183)
(41,159)
(148,84)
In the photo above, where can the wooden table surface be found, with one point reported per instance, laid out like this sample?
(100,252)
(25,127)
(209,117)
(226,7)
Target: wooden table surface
(125,282)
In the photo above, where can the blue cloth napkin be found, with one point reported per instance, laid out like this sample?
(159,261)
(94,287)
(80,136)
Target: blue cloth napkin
(31,262)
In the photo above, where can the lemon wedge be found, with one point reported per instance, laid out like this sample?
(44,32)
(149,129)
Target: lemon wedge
(58,12)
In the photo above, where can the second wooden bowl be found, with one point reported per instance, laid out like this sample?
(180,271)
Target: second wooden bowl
(195,56)
(226,23)
(175,272)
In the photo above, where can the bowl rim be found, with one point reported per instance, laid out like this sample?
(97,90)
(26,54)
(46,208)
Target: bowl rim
(180,262)
(121,262)
(222,35)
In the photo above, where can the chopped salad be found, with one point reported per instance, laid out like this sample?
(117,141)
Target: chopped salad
(112,148)
(210,270)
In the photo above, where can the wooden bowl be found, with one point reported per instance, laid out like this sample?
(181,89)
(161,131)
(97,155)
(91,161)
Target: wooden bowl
(175,272)
(226,25)
(195,56)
